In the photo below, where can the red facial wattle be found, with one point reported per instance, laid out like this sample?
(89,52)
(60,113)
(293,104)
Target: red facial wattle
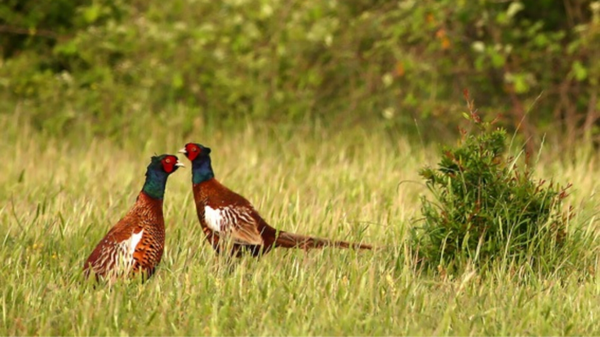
(169,164)
(192,151)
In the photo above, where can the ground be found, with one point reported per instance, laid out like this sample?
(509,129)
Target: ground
(59,197)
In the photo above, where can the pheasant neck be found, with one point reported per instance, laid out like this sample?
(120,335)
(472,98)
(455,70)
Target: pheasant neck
(202,170)
(155,184)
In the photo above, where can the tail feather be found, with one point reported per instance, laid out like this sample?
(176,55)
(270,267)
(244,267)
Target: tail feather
(291,240)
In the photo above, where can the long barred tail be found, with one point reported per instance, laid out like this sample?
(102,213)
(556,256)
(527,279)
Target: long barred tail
(291,240)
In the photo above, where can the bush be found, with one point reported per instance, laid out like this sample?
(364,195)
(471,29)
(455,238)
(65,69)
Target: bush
(486,206)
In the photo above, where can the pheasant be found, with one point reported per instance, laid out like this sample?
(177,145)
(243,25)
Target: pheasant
(135,244)
(226,215)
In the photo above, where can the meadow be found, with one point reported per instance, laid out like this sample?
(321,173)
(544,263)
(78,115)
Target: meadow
(59,197)
(321,113)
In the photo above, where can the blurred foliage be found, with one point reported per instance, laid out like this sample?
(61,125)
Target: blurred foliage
(89,61)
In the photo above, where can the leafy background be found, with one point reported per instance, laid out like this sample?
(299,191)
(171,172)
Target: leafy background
(336,62)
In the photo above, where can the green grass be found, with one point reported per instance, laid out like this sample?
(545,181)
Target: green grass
(59,198)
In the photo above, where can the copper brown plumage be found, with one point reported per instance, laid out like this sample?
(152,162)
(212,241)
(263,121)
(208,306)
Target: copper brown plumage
(136,243)
(226,215)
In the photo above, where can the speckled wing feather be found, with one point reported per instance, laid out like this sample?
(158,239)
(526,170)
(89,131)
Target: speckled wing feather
(234,221)
(134,244)
(115,253)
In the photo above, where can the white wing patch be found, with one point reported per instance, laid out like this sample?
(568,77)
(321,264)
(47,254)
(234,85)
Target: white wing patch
(213,218)
(234,222)
(128,248)
(118,258)
(133,242)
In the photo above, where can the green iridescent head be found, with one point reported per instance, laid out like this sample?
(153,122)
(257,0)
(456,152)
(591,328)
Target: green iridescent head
(199,155)
(158,171)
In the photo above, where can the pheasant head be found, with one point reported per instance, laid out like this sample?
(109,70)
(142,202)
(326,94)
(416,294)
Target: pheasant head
(156,176)
(199,155)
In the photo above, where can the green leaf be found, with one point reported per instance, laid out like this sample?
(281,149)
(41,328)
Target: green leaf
(177,81)
(520,83)
(514,8)
(67,48)
(579,71)
(92,13)
(498,59)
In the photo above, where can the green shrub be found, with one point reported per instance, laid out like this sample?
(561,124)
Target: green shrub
(85,62)
(486,206)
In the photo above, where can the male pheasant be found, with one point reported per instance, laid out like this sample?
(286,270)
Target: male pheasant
(135,244)
(226,215)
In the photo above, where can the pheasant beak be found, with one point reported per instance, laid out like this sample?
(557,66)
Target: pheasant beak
(179,164)
(183,150)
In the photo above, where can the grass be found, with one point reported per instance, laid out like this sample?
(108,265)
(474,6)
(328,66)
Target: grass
(59,197)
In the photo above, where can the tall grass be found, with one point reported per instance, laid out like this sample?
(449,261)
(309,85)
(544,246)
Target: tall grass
(59,197)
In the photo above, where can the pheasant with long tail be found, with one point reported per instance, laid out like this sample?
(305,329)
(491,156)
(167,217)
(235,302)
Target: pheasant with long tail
(227,216)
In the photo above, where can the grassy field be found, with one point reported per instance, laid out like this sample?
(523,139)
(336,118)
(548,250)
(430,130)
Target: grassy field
(59,197)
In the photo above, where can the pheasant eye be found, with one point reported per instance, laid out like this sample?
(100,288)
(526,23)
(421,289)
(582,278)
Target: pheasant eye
(168,161)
